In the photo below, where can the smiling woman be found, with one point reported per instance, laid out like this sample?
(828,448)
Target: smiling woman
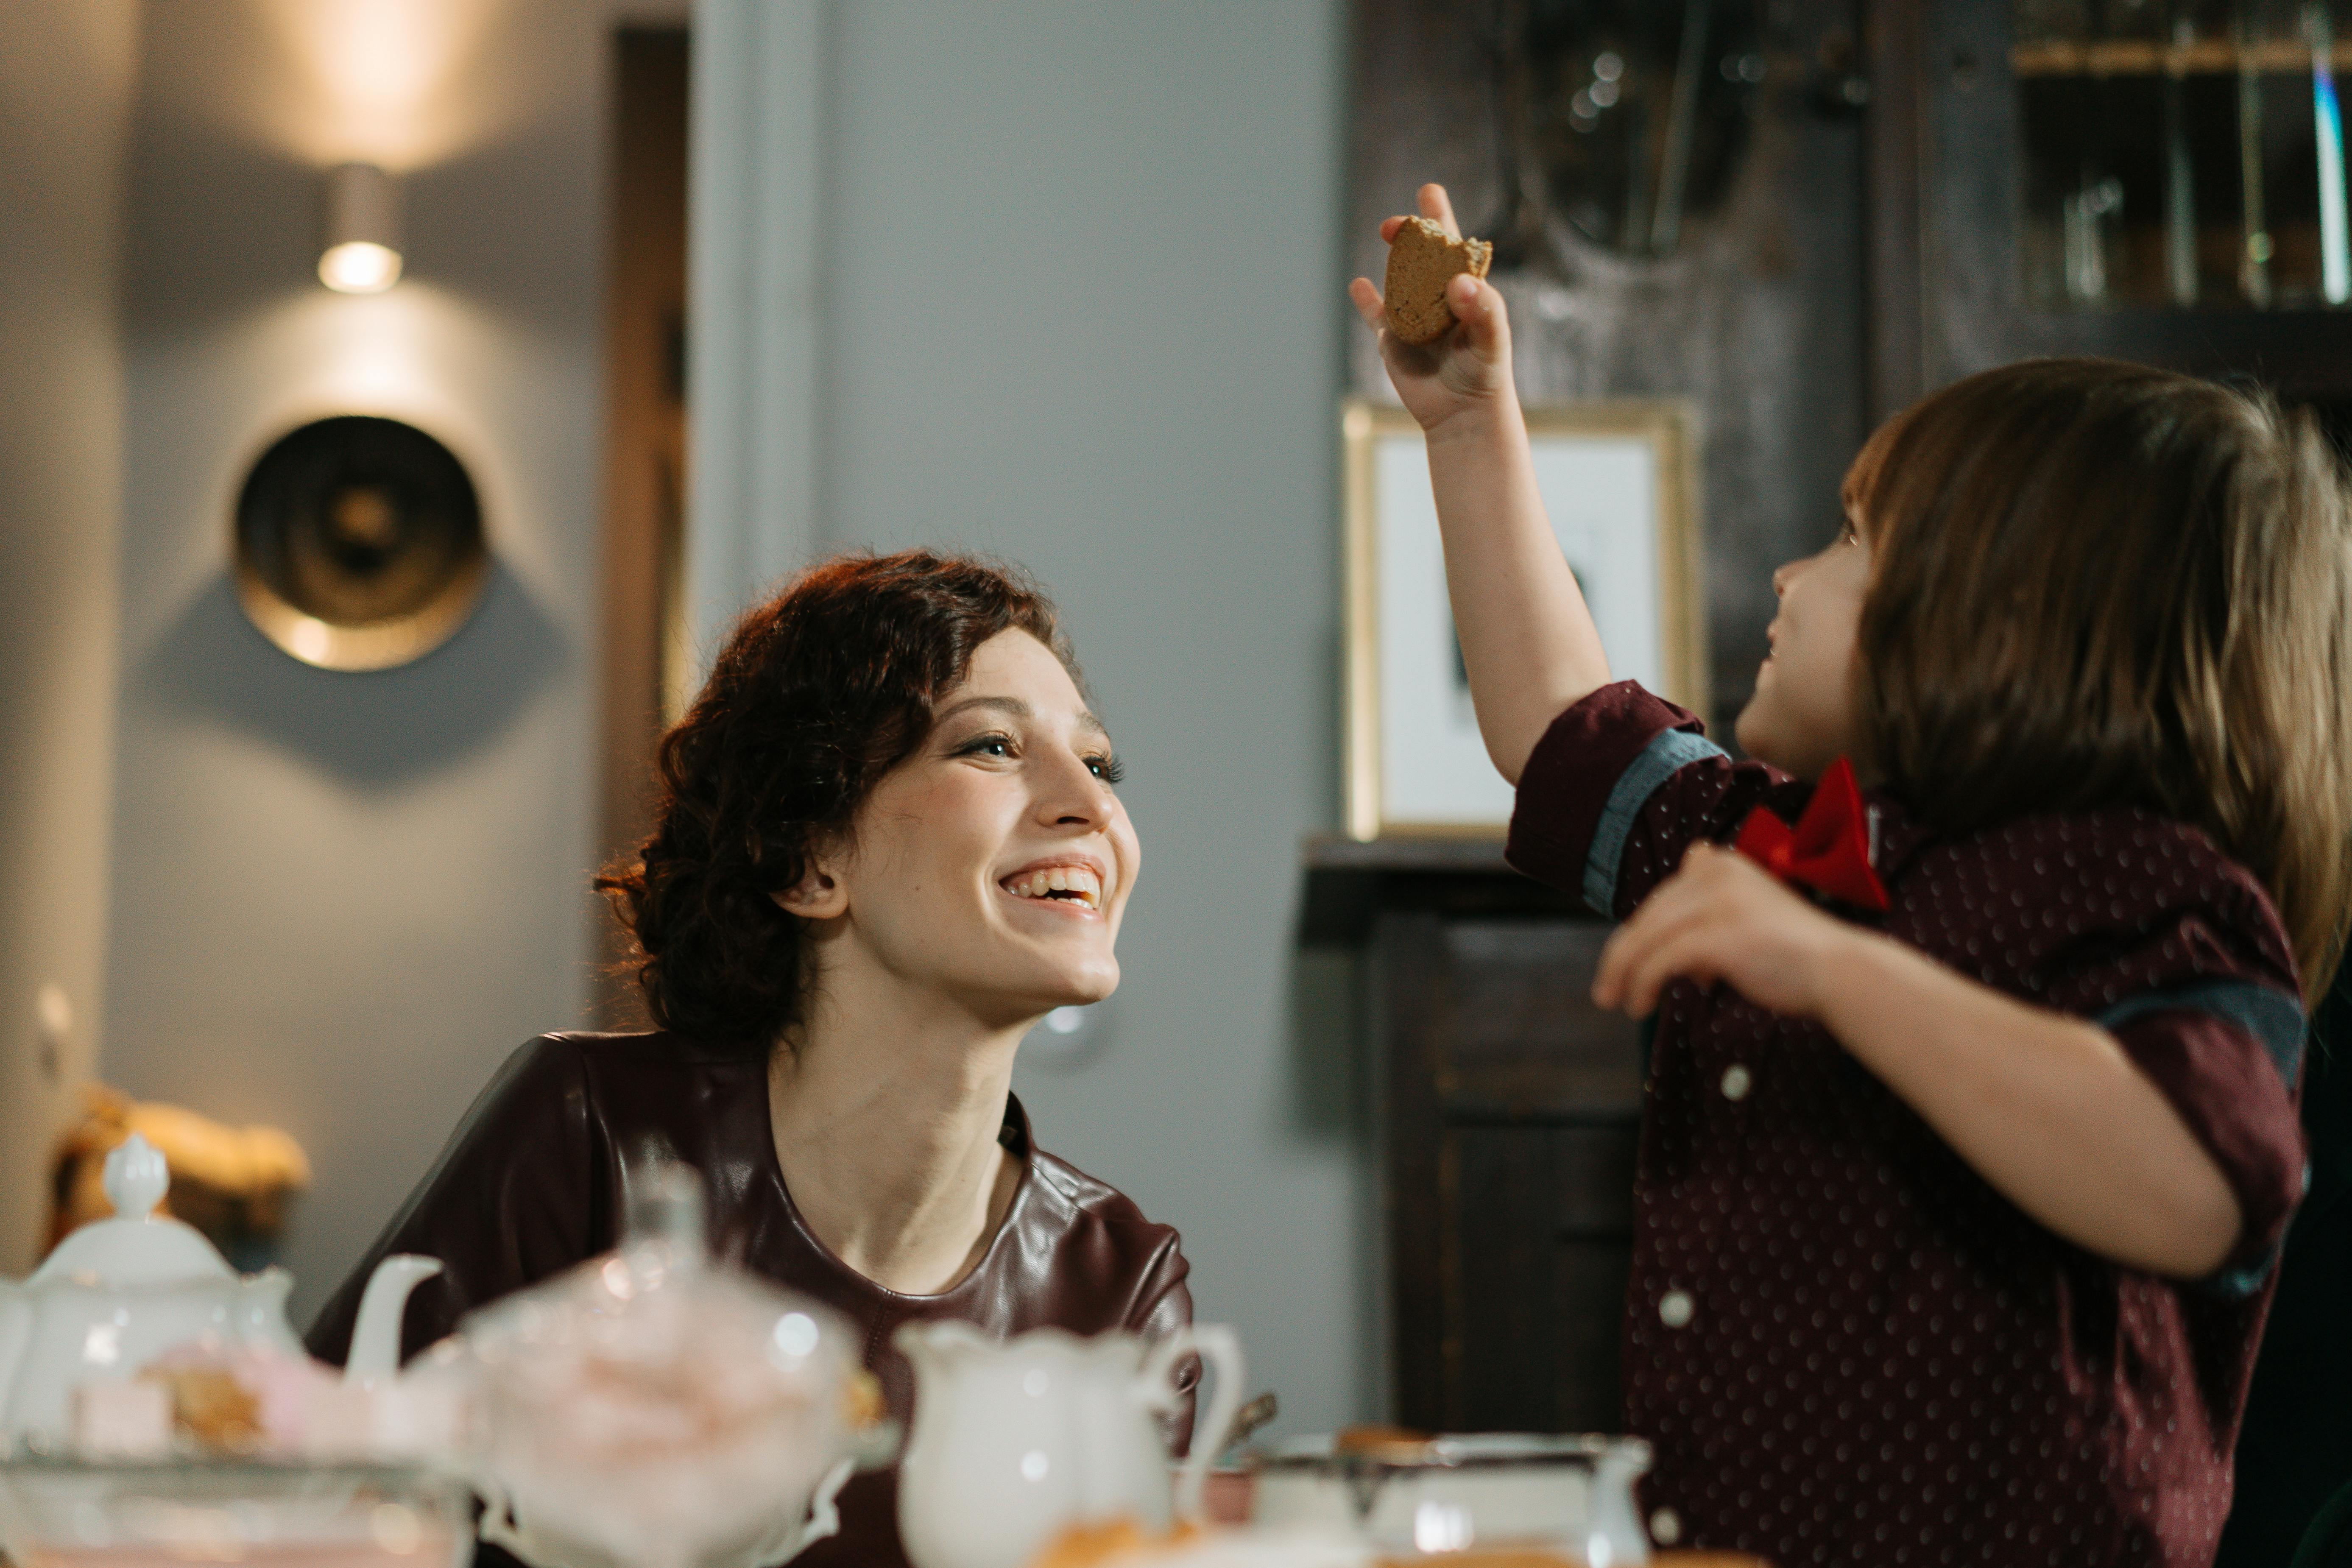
(888,842)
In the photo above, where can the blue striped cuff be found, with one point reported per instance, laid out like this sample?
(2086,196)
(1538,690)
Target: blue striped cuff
(2271,1016)
(1664,756)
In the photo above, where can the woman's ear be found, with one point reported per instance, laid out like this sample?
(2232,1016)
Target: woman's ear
(819,895)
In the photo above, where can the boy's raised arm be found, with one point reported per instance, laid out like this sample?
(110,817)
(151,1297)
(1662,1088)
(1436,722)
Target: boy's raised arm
(1528,639)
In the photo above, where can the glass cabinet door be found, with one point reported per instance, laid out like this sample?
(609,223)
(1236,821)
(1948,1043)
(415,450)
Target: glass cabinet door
(2182,154)
(2153,180)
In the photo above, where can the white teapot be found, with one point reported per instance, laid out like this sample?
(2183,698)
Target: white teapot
(1015,1439)
(118,1292)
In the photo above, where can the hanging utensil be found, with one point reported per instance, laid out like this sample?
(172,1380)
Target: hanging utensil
(2179,196)
(2254,264)
(1682,119)
(2328,128)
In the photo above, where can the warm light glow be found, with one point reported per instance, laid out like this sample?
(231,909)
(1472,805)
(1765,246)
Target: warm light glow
(311,640)
(361,245)
(400,83)
(360,267)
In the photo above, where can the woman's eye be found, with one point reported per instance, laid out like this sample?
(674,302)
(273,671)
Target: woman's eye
(1105,767)
(986,746)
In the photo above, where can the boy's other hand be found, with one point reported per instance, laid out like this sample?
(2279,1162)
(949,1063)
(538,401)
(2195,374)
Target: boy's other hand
(1722,919)
(1470,366)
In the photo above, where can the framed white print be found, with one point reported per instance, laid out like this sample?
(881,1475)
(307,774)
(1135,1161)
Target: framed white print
(1619,481)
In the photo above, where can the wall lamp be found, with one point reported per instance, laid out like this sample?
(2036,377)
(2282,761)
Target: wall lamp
(363,241)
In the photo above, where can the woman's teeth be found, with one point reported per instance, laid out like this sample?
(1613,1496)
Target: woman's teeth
(1070,884)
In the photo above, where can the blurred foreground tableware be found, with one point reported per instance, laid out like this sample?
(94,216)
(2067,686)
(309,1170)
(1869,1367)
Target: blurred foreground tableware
(1016,1441)
(72,1513)
(1228,1496)
(1121,1545)
(1248,1419)
(1543,1557)
(117,1296)
(657,1409)
(1449,1495)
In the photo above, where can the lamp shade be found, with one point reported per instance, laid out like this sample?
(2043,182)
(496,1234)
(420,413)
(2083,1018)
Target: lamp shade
(361,253)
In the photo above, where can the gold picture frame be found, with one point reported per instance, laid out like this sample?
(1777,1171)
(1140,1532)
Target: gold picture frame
(1414,766)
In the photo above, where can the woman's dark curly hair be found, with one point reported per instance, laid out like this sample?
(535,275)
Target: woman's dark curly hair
(818,693)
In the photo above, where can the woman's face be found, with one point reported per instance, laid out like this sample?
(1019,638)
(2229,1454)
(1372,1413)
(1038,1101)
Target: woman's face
(1803,717)
(994,864)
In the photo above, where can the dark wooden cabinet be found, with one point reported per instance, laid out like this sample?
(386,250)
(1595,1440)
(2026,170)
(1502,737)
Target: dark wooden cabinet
(1509,1107)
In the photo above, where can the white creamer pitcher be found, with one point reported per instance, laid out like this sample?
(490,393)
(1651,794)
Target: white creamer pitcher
(1014,1440)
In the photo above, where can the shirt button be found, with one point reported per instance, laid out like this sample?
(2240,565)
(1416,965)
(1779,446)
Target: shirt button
(1674,1309)
(1666,1527)
(1736,1082)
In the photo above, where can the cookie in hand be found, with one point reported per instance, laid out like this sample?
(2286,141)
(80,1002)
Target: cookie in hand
(1422,262)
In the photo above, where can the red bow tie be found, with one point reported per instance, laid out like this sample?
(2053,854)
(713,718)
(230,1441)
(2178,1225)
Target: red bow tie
(1828,850)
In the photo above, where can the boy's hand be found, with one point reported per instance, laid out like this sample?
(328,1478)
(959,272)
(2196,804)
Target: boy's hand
(1721,916)
(1470,366)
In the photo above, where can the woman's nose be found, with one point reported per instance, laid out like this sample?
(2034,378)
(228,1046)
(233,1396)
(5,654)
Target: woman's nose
(1780,577)
(1077,797)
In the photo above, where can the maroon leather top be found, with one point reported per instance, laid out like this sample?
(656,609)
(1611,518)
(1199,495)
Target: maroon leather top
(1847,1347)
(532,1182)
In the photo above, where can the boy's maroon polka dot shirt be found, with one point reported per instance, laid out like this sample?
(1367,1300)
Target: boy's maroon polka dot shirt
(1846,1346)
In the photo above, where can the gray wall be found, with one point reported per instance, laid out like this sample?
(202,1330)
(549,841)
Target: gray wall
(339,901)
(1080,307)
(64,99)
(1080,267)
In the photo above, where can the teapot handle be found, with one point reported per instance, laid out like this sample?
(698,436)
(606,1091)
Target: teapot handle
(1220,1348)
(376,1337)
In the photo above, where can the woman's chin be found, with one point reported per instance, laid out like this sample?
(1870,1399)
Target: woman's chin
(1060,985)
(1086,986)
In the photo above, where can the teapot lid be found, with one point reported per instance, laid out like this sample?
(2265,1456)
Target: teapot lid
(660,1295)
(138,1245)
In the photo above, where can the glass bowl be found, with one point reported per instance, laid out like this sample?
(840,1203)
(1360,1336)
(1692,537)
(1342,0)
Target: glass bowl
(1449,1494)
(171,1513)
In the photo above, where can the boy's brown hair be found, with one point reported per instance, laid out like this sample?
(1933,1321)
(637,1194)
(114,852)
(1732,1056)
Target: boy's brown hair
(2097,584)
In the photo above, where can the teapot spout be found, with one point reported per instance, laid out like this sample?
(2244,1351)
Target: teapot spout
(376,1337)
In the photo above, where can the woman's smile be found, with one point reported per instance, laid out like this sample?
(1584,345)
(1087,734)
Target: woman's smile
(1070,886)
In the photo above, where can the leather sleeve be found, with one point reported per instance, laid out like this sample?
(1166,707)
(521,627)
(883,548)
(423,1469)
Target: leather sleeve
(516,1196)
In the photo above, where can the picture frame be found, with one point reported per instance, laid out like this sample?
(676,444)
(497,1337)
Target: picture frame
(1620,480)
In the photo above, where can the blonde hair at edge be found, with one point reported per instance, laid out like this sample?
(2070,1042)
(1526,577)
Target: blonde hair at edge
(2097,584)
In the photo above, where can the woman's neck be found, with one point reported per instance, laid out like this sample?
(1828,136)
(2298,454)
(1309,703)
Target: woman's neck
(887,1108)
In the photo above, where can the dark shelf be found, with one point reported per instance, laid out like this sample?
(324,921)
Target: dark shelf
(1328,853)
(1348,880)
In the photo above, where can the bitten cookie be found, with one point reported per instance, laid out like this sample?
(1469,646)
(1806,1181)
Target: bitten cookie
(1422,261)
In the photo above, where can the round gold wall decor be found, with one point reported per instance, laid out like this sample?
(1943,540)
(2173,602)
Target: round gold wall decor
(358,543)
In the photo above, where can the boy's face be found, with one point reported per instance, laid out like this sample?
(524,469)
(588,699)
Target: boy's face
(1803,717)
